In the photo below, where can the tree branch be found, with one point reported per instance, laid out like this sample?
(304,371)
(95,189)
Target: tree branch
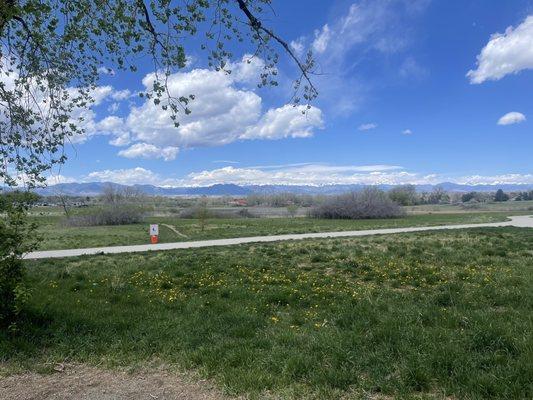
(258,27)
(148,22)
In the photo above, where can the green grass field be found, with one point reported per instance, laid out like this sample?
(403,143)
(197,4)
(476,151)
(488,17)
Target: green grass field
(425,315)
(56,235)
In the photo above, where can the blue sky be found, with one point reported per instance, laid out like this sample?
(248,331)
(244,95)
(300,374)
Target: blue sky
(410,92)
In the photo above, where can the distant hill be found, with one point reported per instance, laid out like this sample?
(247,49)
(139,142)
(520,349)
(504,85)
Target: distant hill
(97,188)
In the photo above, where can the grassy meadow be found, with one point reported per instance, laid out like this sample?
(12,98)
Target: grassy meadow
(56,235)
(419,315)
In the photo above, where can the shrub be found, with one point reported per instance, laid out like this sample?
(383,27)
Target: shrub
(118,214)
(16,238)
(369,203)
(404,195)
(437,196)
(120,206)
(465,198)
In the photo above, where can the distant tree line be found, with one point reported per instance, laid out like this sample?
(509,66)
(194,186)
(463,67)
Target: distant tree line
(524,196)
(116,206)
(283,200)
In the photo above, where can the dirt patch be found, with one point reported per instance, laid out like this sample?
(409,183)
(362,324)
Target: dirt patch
(88,383)
(173,229)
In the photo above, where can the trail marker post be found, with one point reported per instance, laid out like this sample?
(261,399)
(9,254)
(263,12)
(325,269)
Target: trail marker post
(154,233)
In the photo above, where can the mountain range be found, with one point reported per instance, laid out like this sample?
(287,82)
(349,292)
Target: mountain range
(97,188)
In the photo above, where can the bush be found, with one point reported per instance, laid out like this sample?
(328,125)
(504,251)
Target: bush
(119,207)
(119,214)
(470,196)
(404,195)
(369,203)
(17,237)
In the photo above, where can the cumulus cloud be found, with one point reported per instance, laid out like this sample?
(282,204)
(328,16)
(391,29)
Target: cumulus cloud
(149,151)
(247,70)
(505,53)
(367,127)
(86,118)
(511,118)
(224,110)
(407,132)
(121,94)
(286,121)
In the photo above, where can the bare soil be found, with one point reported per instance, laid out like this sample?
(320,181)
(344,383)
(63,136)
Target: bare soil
(82,382)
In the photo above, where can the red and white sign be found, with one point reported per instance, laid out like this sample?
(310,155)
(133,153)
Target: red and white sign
(154,233)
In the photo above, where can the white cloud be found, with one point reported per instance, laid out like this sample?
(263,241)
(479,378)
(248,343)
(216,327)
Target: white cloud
(506,53)
(247,70)
(106,71)
(220,112)
(224,111)
(367,127)
(130,176)
(322,37)
(111,124)
(149,151)
(120,94)
(85,118)
(505,179)
(115,126)
(511,118)
(296,174)
(377,24)
(286,121)
(99,94)
(365,32)
(113,108)
(225,162)
(56,179)
(298,46)
(311,174)
(407,132)
(189,61)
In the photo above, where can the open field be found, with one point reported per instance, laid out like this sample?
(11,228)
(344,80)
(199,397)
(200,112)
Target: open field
(471,208)
(56,235)
(425,315)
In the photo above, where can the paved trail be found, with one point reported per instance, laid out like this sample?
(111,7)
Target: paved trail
(524,221)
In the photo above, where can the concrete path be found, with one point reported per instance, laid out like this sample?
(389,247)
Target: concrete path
(524,221)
